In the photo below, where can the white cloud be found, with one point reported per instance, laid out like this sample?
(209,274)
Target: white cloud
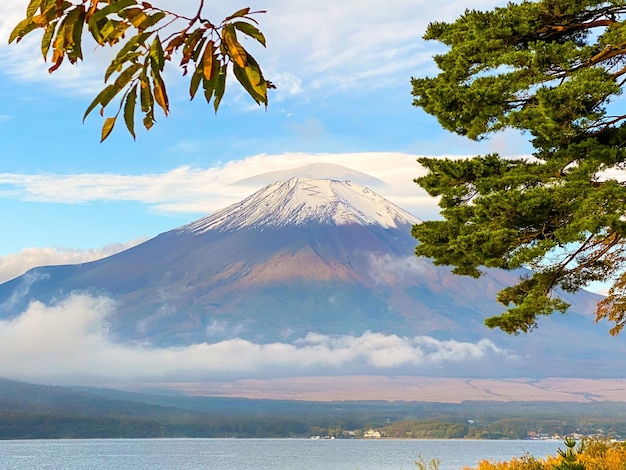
(16,264)
(387,267)
(337,46)
(288,84)
(317,47)
(204,190)
(24,62)
(20,292)
(71,340)
(196,190)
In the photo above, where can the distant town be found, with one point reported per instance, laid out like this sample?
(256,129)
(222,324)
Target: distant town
(415,429)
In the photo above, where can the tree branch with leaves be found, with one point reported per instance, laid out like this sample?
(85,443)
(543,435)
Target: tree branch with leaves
(148,38)
(553,69)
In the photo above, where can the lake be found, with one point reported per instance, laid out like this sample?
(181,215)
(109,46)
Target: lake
(257,454)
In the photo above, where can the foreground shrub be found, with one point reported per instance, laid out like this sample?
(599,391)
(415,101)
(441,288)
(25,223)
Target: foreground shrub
(588,455)
(603,455)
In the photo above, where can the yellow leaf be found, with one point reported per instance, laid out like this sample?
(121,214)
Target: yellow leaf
(235,50)
(207,60)
(107,128)
(40,20)
(160,94)
(58,53)
(138,19)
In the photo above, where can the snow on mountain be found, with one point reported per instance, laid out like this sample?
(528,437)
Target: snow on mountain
(299,201)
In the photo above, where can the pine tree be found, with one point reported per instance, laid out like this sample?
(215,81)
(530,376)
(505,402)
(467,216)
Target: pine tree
(555,70)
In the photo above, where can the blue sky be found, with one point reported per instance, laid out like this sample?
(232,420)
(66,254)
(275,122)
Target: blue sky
(343,73)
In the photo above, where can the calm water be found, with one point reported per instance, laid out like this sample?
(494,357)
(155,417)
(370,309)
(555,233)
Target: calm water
(257,454)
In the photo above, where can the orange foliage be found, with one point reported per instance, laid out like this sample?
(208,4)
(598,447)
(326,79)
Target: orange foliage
(600,455)
(596,455)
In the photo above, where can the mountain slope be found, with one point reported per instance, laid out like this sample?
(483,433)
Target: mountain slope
(301,246)
(306,256)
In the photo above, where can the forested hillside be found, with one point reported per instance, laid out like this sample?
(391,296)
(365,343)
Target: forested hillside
(40,411)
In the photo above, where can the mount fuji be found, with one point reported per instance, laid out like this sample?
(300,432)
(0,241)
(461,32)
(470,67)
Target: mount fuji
(304,257)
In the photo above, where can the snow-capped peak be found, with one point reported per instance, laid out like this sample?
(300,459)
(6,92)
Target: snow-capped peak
(303,200)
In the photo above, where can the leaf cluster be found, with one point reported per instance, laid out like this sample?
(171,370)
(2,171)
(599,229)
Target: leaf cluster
(554,70)
(143,36)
